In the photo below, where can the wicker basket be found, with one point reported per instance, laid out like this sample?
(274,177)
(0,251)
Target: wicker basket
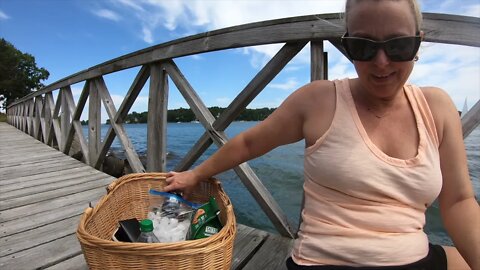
(127,198)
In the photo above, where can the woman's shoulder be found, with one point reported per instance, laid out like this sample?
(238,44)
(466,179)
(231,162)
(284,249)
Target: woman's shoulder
(442,107)
(434,94)
(315,97)
(437,98)
(316,91)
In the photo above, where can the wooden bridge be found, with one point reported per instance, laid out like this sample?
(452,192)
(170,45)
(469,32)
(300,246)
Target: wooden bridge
(43,190)
(43,194)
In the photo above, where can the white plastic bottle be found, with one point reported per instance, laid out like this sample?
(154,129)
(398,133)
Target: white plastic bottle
(146,232)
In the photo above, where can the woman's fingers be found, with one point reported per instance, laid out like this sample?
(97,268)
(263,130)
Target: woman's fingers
(179,181)
(169,176)
(171,186)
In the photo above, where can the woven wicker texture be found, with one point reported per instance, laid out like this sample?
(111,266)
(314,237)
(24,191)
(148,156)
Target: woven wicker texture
(128,198)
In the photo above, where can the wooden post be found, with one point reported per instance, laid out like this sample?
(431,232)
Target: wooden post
(94,122)
(64,119)
(23,116)
(31,107)
(43,119)
(76,128)
(38,117)
(132,156)
(157,120)
(48,118)
(317,66)
(11,115)
(127,103)
(56,120)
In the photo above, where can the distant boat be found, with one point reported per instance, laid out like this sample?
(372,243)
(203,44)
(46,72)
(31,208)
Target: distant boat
(465,108)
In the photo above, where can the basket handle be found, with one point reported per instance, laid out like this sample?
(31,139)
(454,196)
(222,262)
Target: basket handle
(134,176)
(111,186)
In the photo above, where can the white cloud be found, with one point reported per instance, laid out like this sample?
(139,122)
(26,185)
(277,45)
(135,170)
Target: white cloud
(147,35)
(199,16)
(473,10)
(466,7)
(4,16)
(131,4)
(107,14)
(456,71)
(290,85)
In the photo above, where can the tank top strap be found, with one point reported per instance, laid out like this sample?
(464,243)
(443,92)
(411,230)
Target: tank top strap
(420,107)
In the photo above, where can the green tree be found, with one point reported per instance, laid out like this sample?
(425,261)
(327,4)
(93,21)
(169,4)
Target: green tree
(19,74)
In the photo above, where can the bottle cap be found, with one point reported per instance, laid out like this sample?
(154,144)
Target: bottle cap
(146,225)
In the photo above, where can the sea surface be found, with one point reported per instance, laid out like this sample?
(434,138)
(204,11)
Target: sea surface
(281,171)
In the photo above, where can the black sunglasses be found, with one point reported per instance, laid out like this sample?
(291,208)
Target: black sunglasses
(397,49)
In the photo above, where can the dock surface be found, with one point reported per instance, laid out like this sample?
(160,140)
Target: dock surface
(43,192)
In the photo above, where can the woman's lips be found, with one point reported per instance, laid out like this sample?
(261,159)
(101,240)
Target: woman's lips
(383,77)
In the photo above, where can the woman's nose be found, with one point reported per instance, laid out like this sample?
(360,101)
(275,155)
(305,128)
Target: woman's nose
(381,58)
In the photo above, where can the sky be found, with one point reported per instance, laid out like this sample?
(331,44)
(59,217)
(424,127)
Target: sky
(68,36)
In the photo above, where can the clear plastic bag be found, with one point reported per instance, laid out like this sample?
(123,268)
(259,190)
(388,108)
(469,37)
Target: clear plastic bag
(171,215)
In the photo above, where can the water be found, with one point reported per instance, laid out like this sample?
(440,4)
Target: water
(281,171)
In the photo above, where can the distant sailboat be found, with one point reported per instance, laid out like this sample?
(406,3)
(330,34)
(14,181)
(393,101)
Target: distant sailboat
(465,108)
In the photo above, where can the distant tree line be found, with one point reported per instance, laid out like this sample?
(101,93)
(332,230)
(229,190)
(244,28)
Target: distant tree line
(187,115)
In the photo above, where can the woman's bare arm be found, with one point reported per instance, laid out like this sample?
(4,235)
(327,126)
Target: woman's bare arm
(459,208)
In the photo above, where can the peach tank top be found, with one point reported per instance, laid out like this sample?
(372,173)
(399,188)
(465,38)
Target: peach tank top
(363,207)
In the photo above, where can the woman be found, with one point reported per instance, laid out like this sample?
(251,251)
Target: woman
(396,147)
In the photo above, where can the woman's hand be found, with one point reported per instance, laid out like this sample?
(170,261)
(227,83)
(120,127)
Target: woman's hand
(182,181)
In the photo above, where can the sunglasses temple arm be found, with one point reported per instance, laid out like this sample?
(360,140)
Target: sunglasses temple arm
(336,42)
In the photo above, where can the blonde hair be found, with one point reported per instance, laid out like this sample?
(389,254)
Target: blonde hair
(415,7)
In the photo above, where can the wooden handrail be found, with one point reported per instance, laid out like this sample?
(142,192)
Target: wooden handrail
(441,28)
(57,123)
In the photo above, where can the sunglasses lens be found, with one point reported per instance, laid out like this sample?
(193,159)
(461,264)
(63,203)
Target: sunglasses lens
(397,49)
(360,49)
(402,49)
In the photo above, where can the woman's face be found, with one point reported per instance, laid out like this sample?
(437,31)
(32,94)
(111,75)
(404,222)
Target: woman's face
(380,21)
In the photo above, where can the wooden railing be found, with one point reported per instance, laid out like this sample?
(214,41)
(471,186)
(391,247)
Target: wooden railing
(57,122)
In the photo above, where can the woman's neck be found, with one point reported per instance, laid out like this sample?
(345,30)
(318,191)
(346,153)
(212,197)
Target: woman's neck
(380,106)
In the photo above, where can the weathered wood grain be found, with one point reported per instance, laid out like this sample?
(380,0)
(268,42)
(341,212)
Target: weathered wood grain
(39,155)
(272,254)
(13,191)
(65,117)
(442,28)
(157,120)
(84,196)
(75,128)
(317,61)
(253,88)
(94,122)
(127,103)
(247,242)
(35,220)
(10,203)
(36,168)
(471,120)
(44,255)
(75,263)
(130,152)
(35,237)
(61,173)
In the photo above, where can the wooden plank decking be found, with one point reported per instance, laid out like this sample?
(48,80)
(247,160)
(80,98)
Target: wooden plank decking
(43,193)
